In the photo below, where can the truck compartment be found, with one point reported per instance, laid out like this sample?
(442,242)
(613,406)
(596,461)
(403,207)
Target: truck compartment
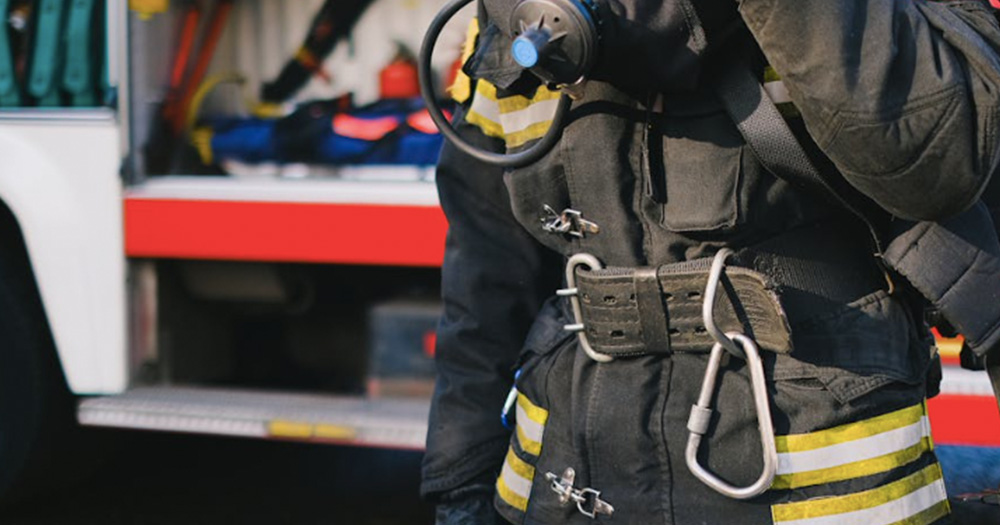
(281,88)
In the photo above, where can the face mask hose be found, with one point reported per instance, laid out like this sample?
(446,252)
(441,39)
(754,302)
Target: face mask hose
(510,160)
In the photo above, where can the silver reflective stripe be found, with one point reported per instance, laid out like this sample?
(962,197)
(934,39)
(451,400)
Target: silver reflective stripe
(848,452)
(515,482)
(890,513)
(537,112)
(486,108)
(777,91)
(531,429)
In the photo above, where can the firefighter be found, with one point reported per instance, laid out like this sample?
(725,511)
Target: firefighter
(575,288)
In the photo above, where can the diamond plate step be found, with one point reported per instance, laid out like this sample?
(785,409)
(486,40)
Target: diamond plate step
(388,423)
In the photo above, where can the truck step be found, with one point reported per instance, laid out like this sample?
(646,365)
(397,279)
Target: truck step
(385,423)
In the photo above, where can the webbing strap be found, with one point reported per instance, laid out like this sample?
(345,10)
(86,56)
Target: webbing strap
(772,141)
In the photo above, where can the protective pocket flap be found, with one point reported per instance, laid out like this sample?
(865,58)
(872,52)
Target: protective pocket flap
(856,350)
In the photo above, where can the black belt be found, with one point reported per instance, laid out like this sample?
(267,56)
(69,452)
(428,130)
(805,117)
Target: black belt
(816,270)
(637,311)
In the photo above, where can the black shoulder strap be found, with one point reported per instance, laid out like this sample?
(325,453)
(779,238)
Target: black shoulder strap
(773,142)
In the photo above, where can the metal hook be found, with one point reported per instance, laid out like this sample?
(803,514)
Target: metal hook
(708,306)
(701,415)
(571,291)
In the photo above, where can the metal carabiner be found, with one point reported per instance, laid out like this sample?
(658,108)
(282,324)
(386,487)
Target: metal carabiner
(701,415)
(744,347)
(571,291)
(708,306)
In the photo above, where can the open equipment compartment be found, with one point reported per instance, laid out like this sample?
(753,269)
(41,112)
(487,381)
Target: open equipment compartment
(265,88)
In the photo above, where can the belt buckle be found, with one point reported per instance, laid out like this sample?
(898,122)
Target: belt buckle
(573,293)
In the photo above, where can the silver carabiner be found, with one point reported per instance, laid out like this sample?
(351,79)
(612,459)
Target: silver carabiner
(571,291)
(744,347)
(708,306)
(701,415)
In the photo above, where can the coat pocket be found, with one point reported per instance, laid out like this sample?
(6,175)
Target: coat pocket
(694,173)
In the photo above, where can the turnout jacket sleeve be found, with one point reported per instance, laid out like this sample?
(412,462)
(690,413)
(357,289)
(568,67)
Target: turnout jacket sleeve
(902,95)
(494,279)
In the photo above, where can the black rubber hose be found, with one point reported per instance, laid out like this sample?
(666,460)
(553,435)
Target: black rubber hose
(511,160)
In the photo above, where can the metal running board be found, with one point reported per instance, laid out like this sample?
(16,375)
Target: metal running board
(388,423)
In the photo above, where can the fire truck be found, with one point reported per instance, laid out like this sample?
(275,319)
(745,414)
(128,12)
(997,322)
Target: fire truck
(281,301)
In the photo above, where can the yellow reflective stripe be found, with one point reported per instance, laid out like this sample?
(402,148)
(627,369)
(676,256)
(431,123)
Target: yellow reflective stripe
(534,412)
(487,90)
(853,470)
(515,119)
(770,75)
(510,497)
(490,128)
(851,431)
(530,425)
(927,516)
(519,103)
(484,111)
(520,120)
(528,445)
(896,502)
(518,465)
(892,447)
(461,88)
(514,483)
(533,132)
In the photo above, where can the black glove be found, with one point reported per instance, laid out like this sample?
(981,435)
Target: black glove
(468,506)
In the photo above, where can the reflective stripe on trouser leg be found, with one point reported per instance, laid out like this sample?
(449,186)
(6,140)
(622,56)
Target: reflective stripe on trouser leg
(853,450)
(917,499)
(518,472)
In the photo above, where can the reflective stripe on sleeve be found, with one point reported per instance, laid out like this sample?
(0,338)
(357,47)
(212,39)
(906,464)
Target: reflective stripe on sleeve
(850,451)
(515,119)
(514,483)
(917,499)
(484,111)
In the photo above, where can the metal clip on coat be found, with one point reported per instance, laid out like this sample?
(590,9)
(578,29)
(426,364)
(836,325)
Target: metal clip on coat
(556,40)
(585,497)
(743,347)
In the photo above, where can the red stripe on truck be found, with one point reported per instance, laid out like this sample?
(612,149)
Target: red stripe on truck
(964,420)
(285,232)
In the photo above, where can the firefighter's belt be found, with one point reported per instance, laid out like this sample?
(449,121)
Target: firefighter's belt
(638,311)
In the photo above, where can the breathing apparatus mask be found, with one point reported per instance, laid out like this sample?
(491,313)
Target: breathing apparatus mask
(637,45)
